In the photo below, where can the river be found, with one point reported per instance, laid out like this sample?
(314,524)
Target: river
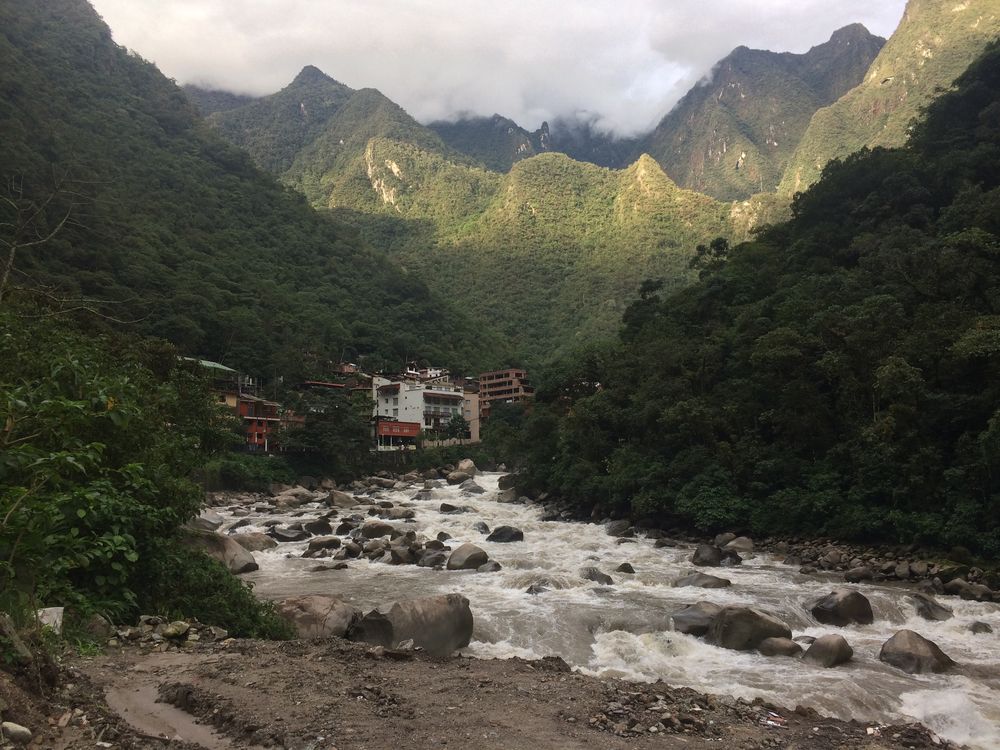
(624,630)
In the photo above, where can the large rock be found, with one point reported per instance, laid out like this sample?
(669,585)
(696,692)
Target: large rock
(618,528)
(506,534)
(707,555)
(828,651)
(376,529)
(467,557)
(914,654)
(338,499)
(702,581)
(695,619)
(207,520)
(507,482)
(930,609)
(315,616)
(741,544)
(318,527)
(457,477)
(439,624)
(595,575)
(288,533)
(16,733)
(322,542)
(843,607)
(468,466)
(221,548)
(470,486)
(779,647)
(254,541)
(743,628)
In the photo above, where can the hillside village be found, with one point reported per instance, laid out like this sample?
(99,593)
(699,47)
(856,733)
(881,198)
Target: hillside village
(418,407)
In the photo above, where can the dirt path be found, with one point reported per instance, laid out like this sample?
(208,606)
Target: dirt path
(322,695)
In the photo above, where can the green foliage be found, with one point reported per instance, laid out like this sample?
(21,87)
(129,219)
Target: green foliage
(336,433)
(245,471)
(836,376)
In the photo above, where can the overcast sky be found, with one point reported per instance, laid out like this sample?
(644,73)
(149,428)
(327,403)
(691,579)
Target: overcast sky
(623,63)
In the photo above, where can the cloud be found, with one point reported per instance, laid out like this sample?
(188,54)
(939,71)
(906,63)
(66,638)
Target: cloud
(625,62)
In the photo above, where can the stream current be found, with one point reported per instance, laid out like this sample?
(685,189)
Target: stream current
(624,630)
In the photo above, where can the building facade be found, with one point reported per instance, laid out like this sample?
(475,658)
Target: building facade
(510,386)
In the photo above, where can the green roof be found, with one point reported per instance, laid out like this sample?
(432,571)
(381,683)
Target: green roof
(209,364)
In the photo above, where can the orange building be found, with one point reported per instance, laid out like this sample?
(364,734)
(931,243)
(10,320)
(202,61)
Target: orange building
(509,386)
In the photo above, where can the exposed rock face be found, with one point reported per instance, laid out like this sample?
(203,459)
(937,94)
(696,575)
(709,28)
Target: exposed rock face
(315,616)
(702,581)
(457,477)
(744,628)
(208,520)
(930,609)
(779,647)
(439,624)
(828,651)
(506,534)
(914,654)
(221,548)
(695,619)
(467,557)
(593,574)
(843,607)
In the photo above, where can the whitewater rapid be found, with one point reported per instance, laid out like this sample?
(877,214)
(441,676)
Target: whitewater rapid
(624,630)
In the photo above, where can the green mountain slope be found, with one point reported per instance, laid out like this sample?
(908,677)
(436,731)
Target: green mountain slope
(177,227)
(732,135)
(838,376)
(210,101)
(934,43)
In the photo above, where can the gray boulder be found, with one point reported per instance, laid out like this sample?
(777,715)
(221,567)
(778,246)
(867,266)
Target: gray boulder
(315,616)
(506,534)
(16,733)
(625,568)
(828,651)
(743,628)
(722,540)
(930,609)
(914,654)
(593,574)
(779,647)
(490,567)
(288,534)
(376,529)
(481,527)
(979,627)
(467,557)
(858,574)
(741,544)
(318,527)
(254,541)
(468,466)
(843,607)
(618,528)
(221,548)
(707,555)
(339,499)
(457,477)
(470,486)
(438,624)
(207,520)
(433,558)
(322,542)
(507,482)
(702,581)
(695,619)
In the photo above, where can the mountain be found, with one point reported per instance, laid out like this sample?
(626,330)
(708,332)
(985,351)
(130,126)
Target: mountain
(175,231)
(934,44)
(210,101)
(838,376)
(732,135)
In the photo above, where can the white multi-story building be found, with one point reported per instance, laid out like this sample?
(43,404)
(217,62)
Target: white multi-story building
(432,405)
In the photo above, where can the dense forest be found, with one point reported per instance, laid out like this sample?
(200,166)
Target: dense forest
(153,221)
(838,375)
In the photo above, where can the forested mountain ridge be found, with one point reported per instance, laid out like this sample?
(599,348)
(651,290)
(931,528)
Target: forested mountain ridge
(732,135)
(175,229)
(934,44)
(839,375)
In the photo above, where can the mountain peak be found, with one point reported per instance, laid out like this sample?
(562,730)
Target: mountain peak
(310,74)
(851,33)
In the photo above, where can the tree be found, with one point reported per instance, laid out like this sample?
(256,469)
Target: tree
(457,427)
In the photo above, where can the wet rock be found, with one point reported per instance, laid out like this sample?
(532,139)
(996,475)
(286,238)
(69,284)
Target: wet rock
(506,534)
(322,543)
(980,627)
(507,482)
(376,529)
(457,477)
(346,527)
(471,487)
(664,542)
(625,568)
(702,581)
(433,558)
(914,654)
(779,647)
(807,570)
(438,624)
(450,509)
(443,536)
(467,557)
(535,589)
(468,466)
(919,569)
(723,539)
(618,528)
(16,733)
(843,607)
(207,520)
(976,592)
(595,575)
(318,527)
(856,575)
(931,609)
(315,616)
(743,628)
(828,651)
(741,544)
(695,619)
(490,567)
(238,525)
(481,527)
(808,640)
(255,541)
(434,544)
(221,548)
(402,555)
(288,533)
(707,555)
(340,499)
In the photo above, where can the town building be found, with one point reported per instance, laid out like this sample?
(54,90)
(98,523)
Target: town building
(510,386)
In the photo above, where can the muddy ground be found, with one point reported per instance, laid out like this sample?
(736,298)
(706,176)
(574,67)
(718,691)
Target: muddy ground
(320,695)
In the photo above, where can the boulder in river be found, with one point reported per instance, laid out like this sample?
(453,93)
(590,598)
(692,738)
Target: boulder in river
(207,520)
(858,574)
(288,534)
(315,616)
(506,534)
(779,647)
(702,581)
(721,540)
(625,568)
(695,619)
(432,558)
(319,527)
(507,482)
(339,499)
(470,486)
(467,557)
(457,477)
(376,529)
(743,628)
(707,555)
(438,624)
(321,543)
(741,544)
(595,575)
(914,654)
(468,466)
(254,541)
(828,651)
(930,609)
(979,627)
(618,528)
(490,567)
(481,527)
(843,607)
(221,548)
